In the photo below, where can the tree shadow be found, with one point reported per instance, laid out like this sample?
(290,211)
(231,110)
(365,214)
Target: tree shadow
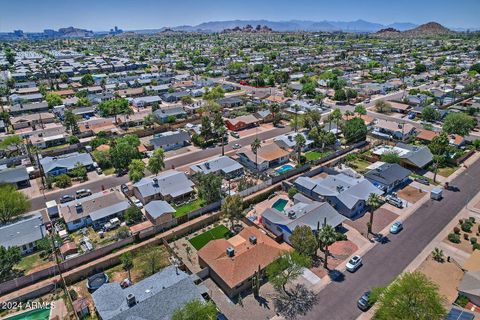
(380,238)
(336,275)
(262,302)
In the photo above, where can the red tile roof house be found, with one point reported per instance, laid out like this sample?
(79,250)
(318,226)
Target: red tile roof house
(232,263)
(242,122)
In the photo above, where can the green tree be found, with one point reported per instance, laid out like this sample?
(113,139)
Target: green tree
(355,130)
(391,157)
(127,262)
(373,202)
(114,107)
(326,237)
(135,170)
(79,171)
(156,163)
(382,106)
(292,192)
(430,114)
(440,147)
(286,268)
(340,95)
(71,121)
(209,187)
(53,100)
(206,128)
(8,259)
(411,296)
(232,208)
(123,151)
(133,215)
(87,80)
(63,181)
(308,89)
(256,144)
(12,203)
(419,68)
(196,310)
(215,93)
(304,241)
(459,123)
(360,109)
(11,140)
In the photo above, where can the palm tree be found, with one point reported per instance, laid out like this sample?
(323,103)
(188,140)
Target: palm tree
(296,107)
(256,144)
(336,116)
(299,145)
(221,132)
(373,202)
(326,237)
(127,263)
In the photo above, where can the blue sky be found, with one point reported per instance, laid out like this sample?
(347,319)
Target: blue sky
(36,15)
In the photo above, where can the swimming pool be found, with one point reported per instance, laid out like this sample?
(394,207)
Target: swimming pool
(280,204)
(37,314)
(284,168)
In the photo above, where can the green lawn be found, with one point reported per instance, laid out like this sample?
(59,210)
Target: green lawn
(447,171)
(360,165)
(187,207)
(109,171)
(30,262)
(315,155)
(201,240)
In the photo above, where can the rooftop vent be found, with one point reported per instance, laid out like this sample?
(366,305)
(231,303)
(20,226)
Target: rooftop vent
(252,239)
(79,208)
(291,214)
(131,301)
(230,252)
(155,182)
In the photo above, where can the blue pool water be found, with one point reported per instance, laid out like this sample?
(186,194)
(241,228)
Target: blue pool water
(284,168)
(280,204)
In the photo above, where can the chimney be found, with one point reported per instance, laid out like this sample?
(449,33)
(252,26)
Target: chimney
(131,301)
(155,182)
(230,252)
(252,239)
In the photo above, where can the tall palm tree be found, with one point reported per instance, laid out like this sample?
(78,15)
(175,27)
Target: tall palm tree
(300,143)
(373,202)
(256,144)
(326,237)
(222,131)
(296,107)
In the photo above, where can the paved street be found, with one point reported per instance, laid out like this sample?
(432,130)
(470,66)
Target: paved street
(113,181)
(385,261)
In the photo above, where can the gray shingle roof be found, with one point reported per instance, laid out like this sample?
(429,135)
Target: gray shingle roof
(171,182)
(23,231)
(14,175)
(419,156)
(158,208)
(388,173)
(157,296)
(170,138)
(223,164)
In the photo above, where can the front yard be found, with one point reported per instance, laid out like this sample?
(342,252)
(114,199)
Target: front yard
(188,207)
(201,240)
(447,171)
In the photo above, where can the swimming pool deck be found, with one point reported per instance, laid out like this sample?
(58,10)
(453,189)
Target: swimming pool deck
(259,208)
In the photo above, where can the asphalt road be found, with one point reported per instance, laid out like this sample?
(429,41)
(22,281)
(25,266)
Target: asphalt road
(175,162)
(385,261)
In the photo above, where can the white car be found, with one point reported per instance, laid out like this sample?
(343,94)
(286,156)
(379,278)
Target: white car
(354,263)
(236,146)
(138,204)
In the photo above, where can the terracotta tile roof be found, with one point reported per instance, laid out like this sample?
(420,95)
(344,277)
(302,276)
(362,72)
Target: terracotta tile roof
(367,119)
(266,152)
(398,105)
(248,119)
(247,258)
(427,135)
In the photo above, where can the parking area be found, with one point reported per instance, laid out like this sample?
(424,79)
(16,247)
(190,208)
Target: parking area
(339,252)
(382,218)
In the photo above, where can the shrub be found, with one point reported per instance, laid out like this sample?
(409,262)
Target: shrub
(478,228)
(472,220)
(292,192)
(63,181)
(456,230)
(465,236)
(455,238)
(461,300)
(476,246)
(460,221)
(473,240)
(466,227)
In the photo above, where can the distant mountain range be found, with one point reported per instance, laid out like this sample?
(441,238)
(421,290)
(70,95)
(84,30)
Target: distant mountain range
(424,30)
(291,25)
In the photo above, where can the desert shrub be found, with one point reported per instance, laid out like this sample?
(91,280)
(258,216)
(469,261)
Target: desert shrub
(465,236)
(456,230)
(473,240)
(455,238)
(476,246)
(466,226)
(472,220)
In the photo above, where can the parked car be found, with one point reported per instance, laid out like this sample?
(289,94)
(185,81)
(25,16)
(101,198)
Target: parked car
(394,201)
(235,134)
(423,181)
(124,188)
(99,170)
(364,302)
(137,203)
(236,146)
(82,193)
(66,198)
(121,172)
(354,263)
(396,227)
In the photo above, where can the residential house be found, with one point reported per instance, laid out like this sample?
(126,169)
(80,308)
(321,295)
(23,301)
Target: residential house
(94,210)
(410,155)
(165,114)
(268,156)
(223,166)
(347,194)
(175,96)
(388,176)
(34,120)
(156,297)
(232,263)
(17,176)
(46,138)
(23,232)
(17,109)
(160,213)
(53,166)
(230,102)
(170,185)
(304,212)
(399,107)
(391,129)
(287,141)
(264,116)
(242,122)
(170,140)
(146,101)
